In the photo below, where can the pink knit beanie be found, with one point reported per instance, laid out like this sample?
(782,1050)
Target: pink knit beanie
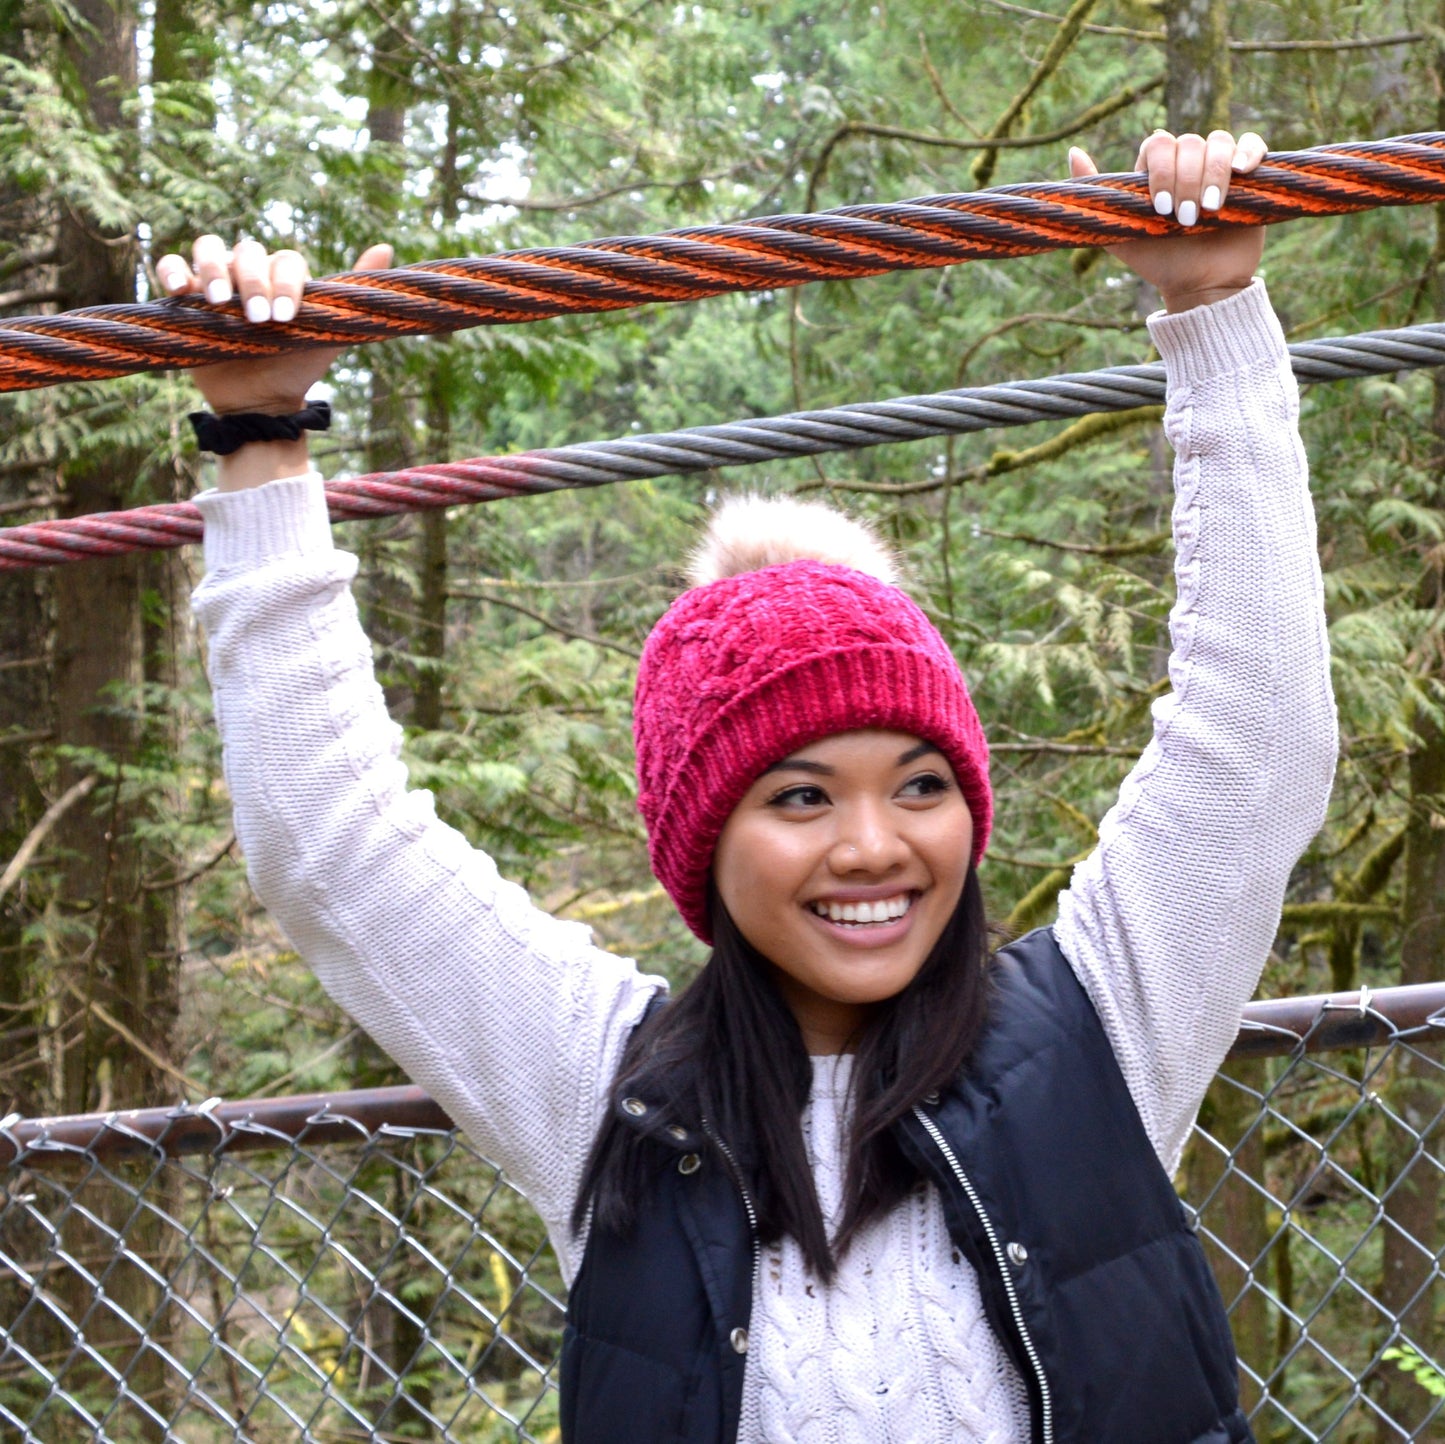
(744,669)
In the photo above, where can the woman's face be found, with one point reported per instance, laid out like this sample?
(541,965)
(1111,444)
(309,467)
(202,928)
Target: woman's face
(841,865)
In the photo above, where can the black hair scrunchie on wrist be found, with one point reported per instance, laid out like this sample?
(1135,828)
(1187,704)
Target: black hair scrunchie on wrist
(222,435)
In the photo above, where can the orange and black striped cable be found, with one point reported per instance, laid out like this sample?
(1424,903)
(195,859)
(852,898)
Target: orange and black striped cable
(698,261)
(773,252)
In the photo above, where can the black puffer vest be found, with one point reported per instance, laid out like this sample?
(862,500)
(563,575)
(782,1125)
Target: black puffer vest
(1090,1273)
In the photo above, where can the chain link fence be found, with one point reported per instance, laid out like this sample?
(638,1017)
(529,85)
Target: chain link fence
(347,1268)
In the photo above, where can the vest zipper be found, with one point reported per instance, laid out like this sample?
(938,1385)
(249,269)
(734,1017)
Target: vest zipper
(752,1213)
(945,1148)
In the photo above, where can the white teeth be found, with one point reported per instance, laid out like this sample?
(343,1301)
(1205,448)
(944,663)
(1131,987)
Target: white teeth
(885,910)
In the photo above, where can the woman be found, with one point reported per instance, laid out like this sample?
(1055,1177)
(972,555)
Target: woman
(859,1183)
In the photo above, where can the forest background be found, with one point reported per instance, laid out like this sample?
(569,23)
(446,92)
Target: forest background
(135,965)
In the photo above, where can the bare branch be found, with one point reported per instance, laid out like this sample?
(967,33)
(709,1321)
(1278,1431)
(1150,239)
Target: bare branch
(27,503)
(547,622)
(143,1048)
(648,574)
(936,81)
(1070,24)
(1363,42)
(1079,433)
(1097,112)
(162,884)
(1141,547)
(1007,860)
(1316,914)
(1127,32)
(28,463)
(1042,746)
(1060,318)
(1419,283)
(1243,47)
(16,663)
(42,830)
(25,260)
(30,298)
(20,739)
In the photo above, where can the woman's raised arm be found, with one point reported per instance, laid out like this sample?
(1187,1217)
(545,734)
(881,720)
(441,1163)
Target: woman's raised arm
(513,1020)
(1169,921)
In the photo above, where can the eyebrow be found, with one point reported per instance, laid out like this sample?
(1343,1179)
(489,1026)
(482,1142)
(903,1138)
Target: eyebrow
(798,764)
(821,769)
(914,753)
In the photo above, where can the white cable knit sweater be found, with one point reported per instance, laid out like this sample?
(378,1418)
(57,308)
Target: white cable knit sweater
(515,1021)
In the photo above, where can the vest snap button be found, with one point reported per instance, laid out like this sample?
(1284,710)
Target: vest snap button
(689,1163)
(677,1131)
(739,1340)
(1018,1254)
(635,1106)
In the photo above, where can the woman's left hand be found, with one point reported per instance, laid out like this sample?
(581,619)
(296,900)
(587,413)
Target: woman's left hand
(1189,177)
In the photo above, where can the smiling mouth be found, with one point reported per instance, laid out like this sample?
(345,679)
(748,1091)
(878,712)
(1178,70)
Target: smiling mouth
(864,914)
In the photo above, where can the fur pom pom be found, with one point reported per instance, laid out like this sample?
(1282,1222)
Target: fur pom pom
(748,533)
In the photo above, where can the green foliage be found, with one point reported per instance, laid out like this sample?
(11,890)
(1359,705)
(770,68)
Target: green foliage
(47,148)
(616,118)
(1050,581)
(1420,1369)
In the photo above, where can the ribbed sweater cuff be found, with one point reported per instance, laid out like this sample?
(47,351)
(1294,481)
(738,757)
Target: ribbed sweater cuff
(285,518)
(1212,341)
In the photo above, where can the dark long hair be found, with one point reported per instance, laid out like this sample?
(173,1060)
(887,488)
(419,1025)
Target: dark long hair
(730,1052)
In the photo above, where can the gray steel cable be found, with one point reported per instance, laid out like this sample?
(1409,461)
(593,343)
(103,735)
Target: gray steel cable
(736,443)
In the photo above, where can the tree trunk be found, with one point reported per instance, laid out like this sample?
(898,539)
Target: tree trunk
(390,609)
(1196,48)
(1411,1169)
(1236,1215)
(104,964)
(185,44)
(431,638)
(24,696)
(388,600)
(1410,1166)
(99,646)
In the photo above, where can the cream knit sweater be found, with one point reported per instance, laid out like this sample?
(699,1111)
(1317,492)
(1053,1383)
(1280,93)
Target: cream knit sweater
(515,1021)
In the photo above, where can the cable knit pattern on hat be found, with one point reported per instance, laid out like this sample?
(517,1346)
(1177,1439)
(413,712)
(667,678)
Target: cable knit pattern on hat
(740,672)
(515,1021)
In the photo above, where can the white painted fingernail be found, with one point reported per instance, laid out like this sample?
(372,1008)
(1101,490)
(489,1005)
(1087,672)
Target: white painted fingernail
(1188,213)
(258,309)
(218,292)
(171,278)
(1164,203)
(1211,199)
(283,308)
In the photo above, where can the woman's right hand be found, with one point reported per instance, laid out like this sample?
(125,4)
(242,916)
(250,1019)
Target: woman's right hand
(269,287)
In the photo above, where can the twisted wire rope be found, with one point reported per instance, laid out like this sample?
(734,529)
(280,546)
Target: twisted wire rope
(766,253)
(701,448)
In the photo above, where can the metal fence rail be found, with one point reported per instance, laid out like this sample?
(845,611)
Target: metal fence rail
(347,1267)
